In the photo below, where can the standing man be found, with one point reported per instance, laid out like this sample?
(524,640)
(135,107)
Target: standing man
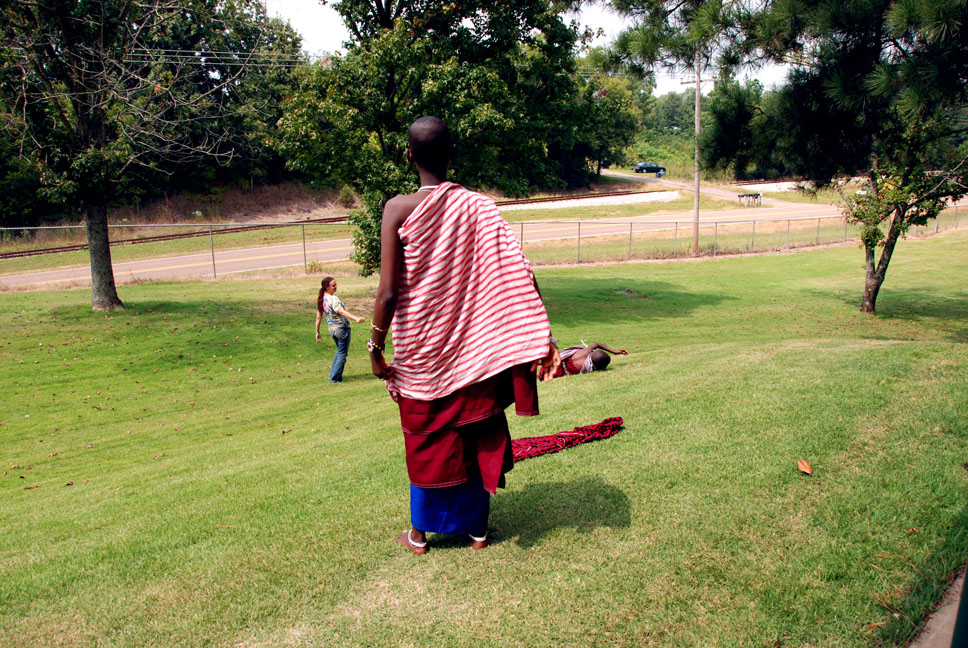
(470,335)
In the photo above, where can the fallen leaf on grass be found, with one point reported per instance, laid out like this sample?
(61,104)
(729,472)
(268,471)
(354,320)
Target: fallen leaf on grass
(70,483)
(804,467)
(31,487)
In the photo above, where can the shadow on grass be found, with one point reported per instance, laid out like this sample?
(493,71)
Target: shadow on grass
(910,614)
(195,308)
(583,505)
(586,300)
(911,306)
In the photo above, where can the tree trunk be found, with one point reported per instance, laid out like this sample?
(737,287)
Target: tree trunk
(872,283)
(875,274)
(104,294)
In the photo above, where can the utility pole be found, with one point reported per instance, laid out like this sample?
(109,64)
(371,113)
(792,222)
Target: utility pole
(695,214)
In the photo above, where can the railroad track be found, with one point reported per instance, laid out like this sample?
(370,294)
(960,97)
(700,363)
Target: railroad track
(243,228)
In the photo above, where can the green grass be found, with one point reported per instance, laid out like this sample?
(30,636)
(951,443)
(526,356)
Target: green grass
(822,197)
(225,494)
(678,207)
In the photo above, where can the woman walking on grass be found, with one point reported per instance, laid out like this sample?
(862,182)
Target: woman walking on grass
(338,320)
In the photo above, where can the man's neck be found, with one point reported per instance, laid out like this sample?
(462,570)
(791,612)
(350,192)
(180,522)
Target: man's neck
(430,178)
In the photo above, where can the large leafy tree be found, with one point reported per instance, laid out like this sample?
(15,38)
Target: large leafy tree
(881,91)
(675,112)
(500,74)
(100,95)
(615,98)
(729,123)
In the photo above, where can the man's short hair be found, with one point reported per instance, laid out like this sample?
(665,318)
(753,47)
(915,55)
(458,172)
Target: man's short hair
(430,142)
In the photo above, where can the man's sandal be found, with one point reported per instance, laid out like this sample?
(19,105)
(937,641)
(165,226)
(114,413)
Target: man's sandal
(419,548)
(478,543)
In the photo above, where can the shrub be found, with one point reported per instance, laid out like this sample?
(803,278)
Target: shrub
(347,197)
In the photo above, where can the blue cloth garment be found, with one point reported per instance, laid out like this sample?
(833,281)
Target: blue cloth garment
(341,337)
(455,510)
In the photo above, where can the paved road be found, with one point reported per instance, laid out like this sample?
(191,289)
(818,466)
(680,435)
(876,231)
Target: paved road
(685,186)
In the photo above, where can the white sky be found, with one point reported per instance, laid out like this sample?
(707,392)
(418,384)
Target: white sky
(323,32)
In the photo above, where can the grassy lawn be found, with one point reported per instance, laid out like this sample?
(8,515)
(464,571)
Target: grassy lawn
(198,482)
(821,197)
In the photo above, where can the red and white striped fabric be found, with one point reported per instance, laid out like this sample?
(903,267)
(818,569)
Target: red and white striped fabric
(467,307)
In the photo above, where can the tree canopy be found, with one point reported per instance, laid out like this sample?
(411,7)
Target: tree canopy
(503,77)
(105,96)
(880,90)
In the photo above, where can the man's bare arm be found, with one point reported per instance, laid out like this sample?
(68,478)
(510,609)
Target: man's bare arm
(599,345)
(391,261)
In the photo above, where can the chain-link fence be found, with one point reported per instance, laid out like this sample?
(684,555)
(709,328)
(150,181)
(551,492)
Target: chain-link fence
(548,242)
(159,252)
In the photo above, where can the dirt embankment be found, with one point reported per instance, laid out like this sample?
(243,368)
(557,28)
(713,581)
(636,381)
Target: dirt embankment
(263,204)
(281,203)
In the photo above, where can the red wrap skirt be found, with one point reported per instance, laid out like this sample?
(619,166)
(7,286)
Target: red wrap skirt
(457,437)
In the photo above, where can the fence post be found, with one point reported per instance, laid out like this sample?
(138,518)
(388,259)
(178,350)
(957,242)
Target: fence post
(579,241)
(305,262)
(630,240)
(715,237)
(753,238)
(788,233)
(675,240)
(211,239)
(818,232)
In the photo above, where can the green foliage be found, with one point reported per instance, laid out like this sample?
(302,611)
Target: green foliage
(612,118)
(677,33)
(727,135)
(675,112)
(673,150)
(110,97)
(20,183)
(500,74)
(881,97)
(347,197)
(161,105)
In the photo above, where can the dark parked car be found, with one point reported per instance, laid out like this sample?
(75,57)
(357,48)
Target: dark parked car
(649,167)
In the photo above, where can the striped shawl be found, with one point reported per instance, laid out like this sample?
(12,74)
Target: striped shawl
(467,307)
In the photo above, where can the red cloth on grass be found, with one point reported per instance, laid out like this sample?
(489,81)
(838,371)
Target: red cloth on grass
(529,447)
